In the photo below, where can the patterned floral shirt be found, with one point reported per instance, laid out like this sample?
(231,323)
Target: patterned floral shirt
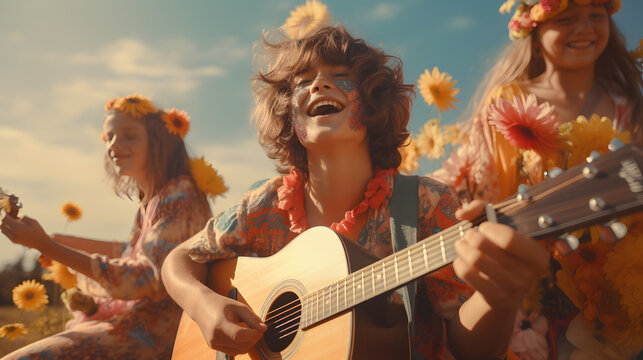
(257,227)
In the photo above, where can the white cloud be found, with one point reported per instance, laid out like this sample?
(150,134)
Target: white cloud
(132,57)
(460,23)
(228,50)
(385,11)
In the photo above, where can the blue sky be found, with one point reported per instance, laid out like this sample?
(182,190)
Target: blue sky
(62,60)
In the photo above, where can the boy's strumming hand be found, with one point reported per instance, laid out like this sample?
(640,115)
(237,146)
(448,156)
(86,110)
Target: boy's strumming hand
(497,261)
(229,325)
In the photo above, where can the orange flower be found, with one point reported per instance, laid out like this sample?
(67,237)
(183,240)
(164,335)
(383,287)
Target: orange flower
(12,331)
(177,122)
(30,295)
(526,124)
(72,211)
(110,104)
(135,105)
(60,274)
(437,88)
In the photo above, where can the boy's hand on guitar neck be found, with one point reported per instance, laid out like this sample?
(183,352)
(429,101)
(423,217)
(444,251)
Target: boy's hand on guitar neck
(496,260)
(229,325)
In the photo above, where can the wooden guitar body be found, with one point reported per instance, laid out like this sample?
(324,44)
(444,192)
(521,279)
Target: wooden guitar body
(376,329)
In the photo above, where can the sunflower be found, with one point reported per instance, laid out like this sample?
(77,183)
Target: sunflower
(60,274)
(135,105)
(526,124)
(5,204)
(71,210)
(206,177)
(585,136)
(30,295)
(410,155)
(306,19)
(430,140)
(437,88)
(12,331)
(110,104)
(177,122)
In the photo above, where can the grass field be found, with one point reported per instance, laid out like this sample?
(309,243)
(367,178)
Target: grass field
(40,323)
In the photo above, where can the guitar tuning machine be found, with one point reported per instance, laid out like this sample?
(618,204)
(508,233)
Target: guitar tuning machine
(522,193)
(590,171)
(618,228)
(615,144)
(596,204)
(592,156)
(550,174)
(566,244)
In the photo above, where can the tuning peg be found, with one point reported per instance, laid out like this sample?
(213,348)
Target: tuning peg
(618,228)
(592,156)
(550,174)
(566,244)
(615,144)
(522,192)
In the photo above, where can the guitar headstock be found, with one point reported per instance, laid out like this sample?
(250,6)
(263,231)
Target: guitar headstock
(9,203)
(608,187)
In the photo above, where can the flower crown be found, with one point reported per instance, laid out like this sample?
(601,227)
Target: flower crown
(137,106)
(531,12)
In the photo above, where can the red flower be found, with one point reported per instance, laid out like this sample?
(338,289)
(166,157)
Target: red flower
(526,124)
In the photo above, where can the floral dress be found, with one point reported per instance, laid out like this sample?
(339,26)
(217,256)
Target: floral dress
(136,319)
(259,226)
(589,306)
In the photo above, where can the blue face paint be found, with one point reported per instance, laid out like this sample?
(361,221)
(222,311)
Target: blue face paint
(346,85)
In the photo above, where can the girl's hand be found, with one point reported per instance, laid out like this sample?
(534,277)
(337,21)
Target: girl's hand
(25,231)
(498,262)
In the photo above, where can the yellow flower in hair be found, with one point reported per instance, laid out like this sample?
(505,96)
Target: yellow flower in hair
(30,295)
(410,155)
(506,6)
(12,331)
(437,88)
(177,122)
(135,105)
(60,274)
(585,136)
(206,177)
(72,211)
(306,19)
(430,140)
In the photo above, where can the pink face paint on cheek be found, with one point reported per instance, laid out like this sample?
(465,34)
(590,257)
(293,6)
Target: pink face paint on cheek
(352,92)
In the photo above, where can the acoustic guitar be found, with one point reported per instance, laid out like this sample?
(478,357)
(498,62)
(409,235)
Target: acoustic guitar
(322,297)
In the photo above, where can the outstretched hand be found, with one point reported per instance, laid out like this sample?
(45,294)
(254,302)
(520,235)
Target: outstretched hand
(496,260)
(24,231)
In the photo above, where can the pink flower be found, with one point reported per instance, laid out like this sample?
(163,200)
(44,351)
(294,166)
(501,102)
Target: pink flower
(528,340)
(526,124)
(549,5)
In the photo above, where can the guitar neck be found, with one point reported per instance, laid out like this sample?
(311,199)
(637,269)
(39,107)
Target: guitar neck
(382,276)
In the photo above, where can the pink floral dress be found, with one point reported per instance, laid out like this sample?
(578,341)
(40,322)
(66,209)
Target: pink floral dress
(257,226)
(136,318)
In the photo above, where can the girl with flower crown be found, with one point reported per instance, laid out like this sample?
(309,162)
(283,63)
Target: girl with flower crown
(120,308)
(333,112)
(564,87)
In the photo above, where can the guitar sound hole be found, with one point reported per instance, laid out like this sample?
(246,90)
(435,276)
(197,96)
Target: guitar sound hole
(283,321)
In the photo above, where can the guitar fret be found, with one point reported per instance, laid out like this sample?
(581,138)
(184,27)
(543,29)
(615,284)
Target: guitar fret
(384,273)
(426,257)
(373,279)
(363,287)
(345,295)
(444,255)
(397,276)
(408,252)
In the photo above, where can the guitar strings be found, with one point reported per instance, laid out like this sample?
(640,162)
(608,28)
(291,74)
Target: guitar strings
(447,236)
(389,260)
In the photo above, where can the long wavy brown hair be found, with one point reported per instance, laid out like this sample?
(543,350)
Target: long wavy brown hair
(167,159)
(385,99)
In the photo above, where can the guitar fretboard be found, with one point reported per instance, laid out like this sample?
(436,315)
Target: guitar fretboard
(382,276)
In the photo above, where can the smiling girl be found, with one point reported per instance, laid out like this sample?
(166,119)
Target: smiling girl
(132,316)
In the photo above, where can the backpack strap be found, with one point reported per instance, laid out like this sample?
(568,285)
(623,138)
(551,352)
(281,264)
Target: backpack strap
(404,222)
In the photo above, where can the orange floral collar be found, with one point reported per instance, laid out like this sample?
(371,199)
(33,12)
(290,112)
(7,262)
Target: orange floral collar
(291,199)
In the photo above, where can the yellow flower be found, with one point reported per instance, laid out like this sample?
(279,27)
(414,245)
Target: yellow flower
(30,295)
(624,269)
(135,105)
(430,140)
(451,134)
(206,177)
(590,135)
(60,274)
(437,88)
(12,331)
(506,6)
(5,204)
(638,53)
(537,13)
(410,155)
(306,19)
(71,210)
(177,122)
